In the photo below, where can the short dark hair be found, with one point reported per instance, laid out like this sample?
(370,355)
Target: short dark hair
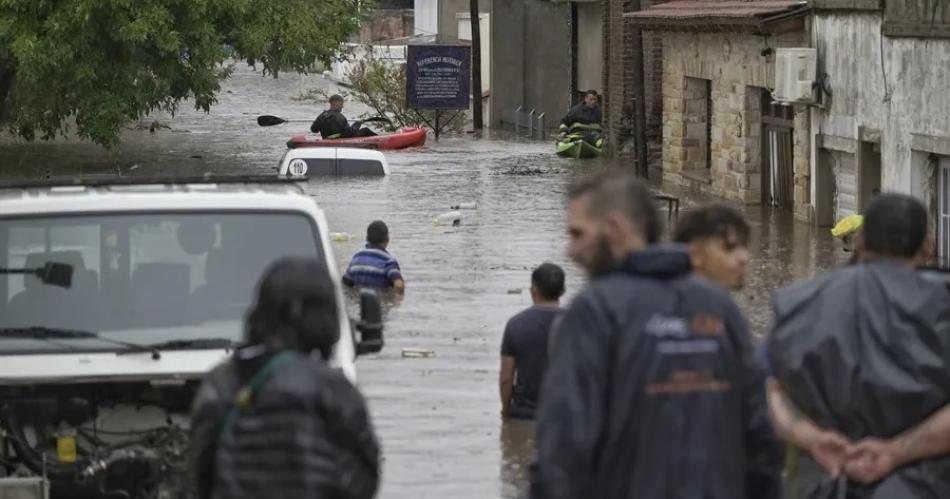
(619,190)
(548,279)
(336,98)
(592,92)
(377,233)
(895,225)
(712,221)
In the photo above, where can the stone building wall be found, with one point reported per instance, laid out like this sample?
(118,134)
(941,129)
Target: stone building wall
(735,70)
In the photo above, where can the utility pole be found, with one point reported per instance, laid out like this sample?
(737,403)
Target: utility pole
(476,66)
(640,105)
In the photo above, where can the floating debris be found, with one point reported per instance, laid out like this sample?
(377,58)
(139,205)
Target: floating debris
(417,353)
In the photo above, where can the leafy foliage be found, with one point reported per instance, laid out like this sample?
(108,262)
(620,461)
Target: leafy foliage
(381,85)
(105,62)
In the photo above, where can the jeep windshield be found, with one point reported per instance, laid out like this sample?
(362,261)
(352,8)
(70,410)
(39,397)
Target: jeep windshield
(141,278)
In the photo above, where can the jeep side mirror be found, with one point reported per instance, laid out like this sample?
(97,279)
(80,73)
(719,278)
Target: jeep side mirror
(370,325)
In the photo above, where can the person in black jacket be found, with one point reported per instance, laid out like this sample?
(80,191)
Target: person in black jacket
(331,124)
(274,421)
(859,360)
(584,118)
(652,389)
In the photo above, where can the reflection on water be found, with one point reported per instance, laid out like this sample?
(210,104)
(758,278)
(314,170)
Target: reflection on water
(437,417)
(517,454)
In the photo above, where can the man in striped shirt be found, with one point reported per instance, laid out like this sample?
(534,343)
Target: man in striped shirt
(373,266)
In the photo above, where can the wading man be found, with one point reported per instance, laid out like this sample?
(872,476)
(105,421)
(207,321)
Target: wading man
(524,348)
(374,266)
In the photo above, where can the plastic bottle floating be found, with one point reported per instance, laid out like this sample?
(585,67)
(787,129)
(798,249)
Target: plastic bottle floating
(453,218)
(471,205)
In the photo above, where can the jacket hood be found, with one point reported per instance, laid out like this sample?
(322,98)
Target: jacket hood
(661,261)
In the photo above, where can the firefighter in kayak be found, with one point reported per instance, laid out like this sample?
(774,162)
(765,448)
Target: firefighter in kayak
(584,119)
(331,124)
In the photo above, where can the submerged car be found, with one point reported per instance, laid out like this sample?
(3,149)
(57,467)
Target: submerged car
(116,297)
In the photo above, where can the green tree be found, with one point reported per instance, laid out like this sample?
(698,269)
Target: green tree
(103,63)
(381,85)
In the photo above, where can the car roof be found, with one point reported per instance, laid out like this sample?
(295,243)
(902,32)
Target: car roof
(184,196)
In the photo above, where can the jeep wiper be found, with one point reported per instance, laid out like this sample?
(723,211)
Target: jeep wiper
(52,333)
(181,344)
(41,332)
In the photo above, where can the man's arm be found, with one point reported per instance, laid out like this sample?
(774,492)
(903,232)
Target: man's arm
(572,403)
(873,459)
(506,383)
(394,274)
(764,453)
(828,448)
(569,118)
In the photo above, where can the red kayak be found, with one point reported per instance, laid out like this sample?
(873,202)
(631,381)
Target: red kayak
(401,139)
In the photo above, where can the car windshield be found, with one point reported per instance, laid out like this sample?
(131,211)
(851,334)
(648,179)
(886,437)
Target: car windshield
(143,278)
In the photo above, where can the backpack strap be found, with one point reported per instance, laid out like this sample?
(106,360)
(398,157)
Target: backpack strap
(244,398)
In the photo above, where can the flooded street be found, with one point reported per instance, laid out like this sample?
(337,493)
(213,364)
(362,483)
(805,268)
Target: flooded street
(438,418)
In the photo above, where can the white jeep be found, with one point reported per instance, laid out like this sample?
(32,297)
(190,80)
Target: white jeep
(116,297)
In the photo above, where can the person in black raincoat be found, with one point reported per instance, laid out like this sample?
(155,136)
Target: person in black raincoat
(584,118)
(331,124)
(275,422)
(652,391)
(860,360)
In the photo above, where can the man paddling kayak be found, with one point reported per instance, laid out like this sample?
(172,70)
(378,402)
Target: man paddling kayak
(331,124)
(585,113)
(582,123)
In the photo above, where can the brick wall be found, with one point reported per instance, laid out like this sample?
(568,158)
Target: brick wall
(618,79)
(618,82)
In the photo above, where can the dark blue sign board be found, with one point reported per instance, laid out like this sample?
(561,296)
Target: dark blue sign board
(438,76)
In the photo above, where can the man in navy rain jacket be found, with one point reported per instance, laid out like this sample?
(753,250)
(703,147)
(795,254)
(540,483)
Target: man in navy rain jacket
(652,390)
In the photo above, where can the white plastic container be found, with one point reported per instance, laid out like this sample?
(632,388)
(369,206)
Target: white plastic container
(453,218)
(471,205)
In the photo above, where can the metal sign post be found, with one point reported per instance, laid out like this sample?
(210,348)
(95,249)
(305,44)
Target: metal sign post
(438,78)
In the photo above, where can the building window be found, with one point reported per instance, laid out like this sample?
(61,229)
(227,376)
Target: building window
(697,116)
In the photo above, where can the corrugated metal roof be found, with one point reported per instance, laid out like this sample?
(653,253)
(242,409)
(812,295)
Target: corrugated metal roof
(728,12)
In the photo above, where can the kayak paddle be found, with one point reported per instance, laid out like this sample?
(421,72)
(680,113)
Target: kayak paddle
(268,120)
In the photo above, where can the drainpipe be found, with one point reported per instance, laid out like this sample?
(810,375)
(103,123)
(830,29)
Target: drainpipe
(814,124)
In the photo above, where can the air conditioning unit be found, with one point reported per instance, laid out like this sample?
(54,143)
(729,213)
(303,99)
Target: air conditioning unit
(795,73)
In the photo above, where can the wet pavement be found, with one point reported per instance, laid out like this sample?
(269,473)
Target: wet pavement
(438,418)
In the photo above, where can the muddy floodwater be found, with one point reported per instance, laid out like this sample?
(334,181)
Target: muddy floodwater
(437,417)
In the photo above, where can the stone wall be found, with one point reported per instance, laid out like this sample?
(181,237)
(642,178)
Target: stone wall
(386,24)
(889,84)
(736,70)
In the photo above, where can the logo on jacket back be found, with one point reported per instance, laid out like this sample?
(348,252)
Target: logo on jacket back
(679,328)
(680,338)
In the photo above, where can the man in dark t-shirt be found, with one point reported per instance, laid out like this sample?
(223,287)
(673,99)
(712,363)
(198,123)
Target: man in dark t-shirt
(524,348)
